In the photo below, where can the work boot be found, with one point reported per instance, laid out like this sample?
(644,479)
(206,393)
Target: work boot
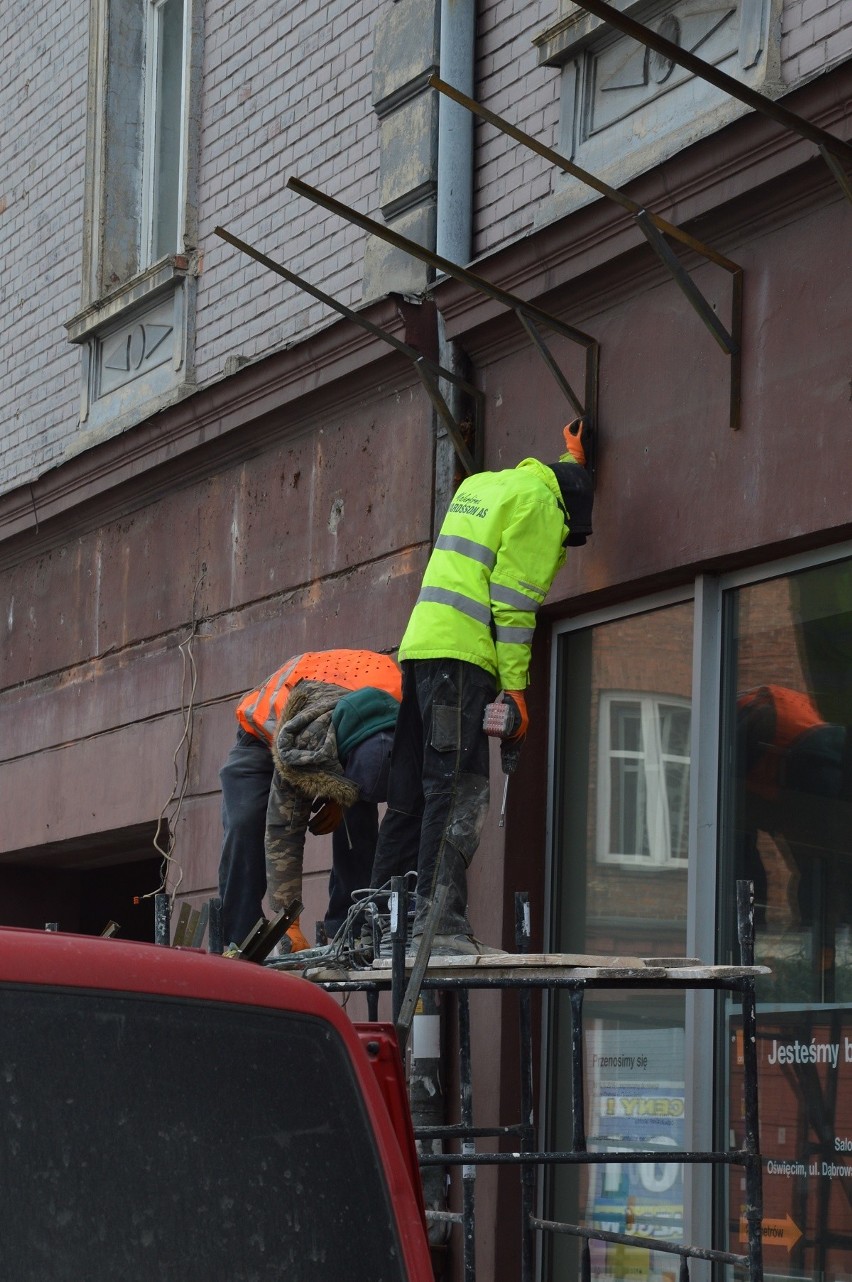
(459,946)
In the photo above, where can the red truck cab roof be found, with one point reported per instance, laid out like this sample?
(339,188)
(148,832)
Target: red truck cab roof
(169,1114)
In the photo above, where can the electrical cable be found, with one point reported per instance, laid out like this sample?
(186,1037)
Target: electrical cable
(184,746)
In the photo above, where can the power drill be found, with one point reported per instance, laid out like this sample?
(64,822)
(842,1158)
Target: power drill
(502,719)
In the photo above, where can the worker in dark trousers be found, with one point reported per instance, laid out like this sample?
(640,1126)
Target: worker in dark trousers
(469,636)
(256,804)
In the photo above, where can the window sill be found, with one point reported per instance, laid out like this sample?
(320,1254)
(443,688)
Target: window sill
(144,287)
(136,345)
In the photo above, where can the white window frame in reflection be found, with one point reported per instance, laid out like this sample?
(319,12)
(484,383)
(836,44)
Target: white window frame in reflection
(654,812)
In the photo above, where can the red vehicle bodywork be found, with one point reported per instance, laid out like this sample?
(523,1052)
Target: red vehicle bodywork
(177,987)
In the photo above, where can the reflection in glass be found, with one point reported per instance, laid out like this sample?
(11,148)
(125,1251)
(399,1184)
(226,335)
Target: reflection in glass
(786,791)
(621,819)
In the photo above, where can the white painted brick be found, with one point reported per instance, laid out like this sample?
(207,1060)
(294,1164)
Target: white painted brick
(812,58)
(286,90)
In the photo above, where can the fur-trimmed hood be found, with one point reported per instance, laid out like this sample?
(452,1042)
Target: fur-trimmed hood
(304,746)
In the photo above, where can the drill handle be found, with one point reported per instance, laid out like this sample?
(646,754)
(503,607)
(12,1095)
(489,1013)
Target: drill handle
(501,719)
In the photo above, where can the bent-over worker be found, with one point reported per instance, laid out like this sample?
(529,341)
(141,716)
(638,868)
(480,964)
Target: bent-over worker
(333,749)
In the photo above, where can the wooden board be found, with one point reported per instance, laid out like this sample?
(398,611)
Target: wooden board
(525,961)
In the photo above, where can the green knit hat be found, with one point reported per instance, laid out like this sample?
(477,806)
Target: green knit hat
(360,714)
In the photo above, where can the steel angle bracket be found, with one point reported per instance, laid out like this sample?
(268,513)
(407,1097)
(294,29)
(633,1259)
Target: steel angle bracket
(530,316)
(654,229)
(833,150)
(428,371)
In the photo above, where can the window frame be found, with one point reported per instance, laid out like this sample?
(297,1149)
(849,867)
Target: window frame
(708,592)
(654,760)
(146,294)
(153,95)
(95,288)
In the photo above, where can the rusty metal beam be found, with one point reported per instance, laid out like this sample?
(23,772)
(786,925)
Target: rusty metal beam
(584,176)
(521,308)
(653,228)
(427,370)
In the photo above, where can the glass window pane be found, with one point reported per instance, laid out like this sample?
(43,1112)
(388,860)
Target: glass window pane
(674,730)
(677,794)
(167,128)
(621,816)
(628,828)
(786,789)
(626,726)
(116,1164)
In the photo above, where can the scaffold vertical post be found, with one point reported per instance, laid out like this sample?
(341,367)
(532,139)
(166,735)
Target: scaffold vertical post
(466,1119)
(522,945)
(215,941)
(399,924)
(753,1172)
(578,1106)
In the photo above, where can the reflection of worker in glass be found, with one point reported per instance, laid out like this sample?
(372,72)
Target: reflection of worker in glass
(797,774)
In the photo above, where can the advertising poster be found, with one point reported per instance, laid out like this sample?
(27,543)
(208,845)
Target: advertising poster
(635,1080)
(805,1106)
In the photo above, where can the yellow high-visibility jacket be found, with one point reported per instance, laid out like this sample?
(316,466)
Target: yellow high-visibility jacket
(500,546)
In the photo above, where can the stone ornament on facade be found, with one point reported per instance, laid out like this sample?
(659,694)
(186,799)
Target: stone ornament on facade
(624,108)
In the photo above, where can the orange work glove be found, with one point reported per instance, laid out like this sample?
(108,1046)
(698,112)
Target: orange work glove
(297,940)
(573,434)
(517,697)
(328,817)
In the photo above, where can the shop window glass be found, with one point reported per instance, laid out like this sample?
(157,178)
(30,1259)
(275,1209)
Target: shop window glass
(620,823)
(786,823)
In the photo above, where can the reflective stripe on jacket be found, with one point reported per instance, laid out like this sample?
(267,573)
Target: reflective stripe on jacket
(500,546)
(259,711)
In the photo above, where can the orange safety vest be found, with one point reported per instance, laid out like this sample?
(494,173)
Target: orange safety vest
(794,715)
(259,711)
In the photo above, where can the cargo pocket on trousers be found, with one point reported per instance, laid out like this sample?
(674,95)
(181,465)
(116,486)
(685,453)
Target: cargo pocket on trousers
(446,720)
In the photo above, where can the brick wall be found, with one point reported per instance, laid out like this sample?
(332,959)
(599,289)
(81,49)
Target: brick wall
(285,96)
(815,34)
(510,180)
(291,97)
(43,69)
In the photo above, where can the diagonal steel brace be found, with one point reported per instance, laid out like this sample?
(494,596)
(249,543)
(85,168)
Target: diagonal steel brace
(526,312)
(427,370)
(653,228)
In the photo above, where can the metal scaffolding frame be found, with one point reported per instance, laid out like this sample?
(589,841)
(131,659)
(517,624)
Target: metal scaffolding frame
(577,976)
(666,974)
